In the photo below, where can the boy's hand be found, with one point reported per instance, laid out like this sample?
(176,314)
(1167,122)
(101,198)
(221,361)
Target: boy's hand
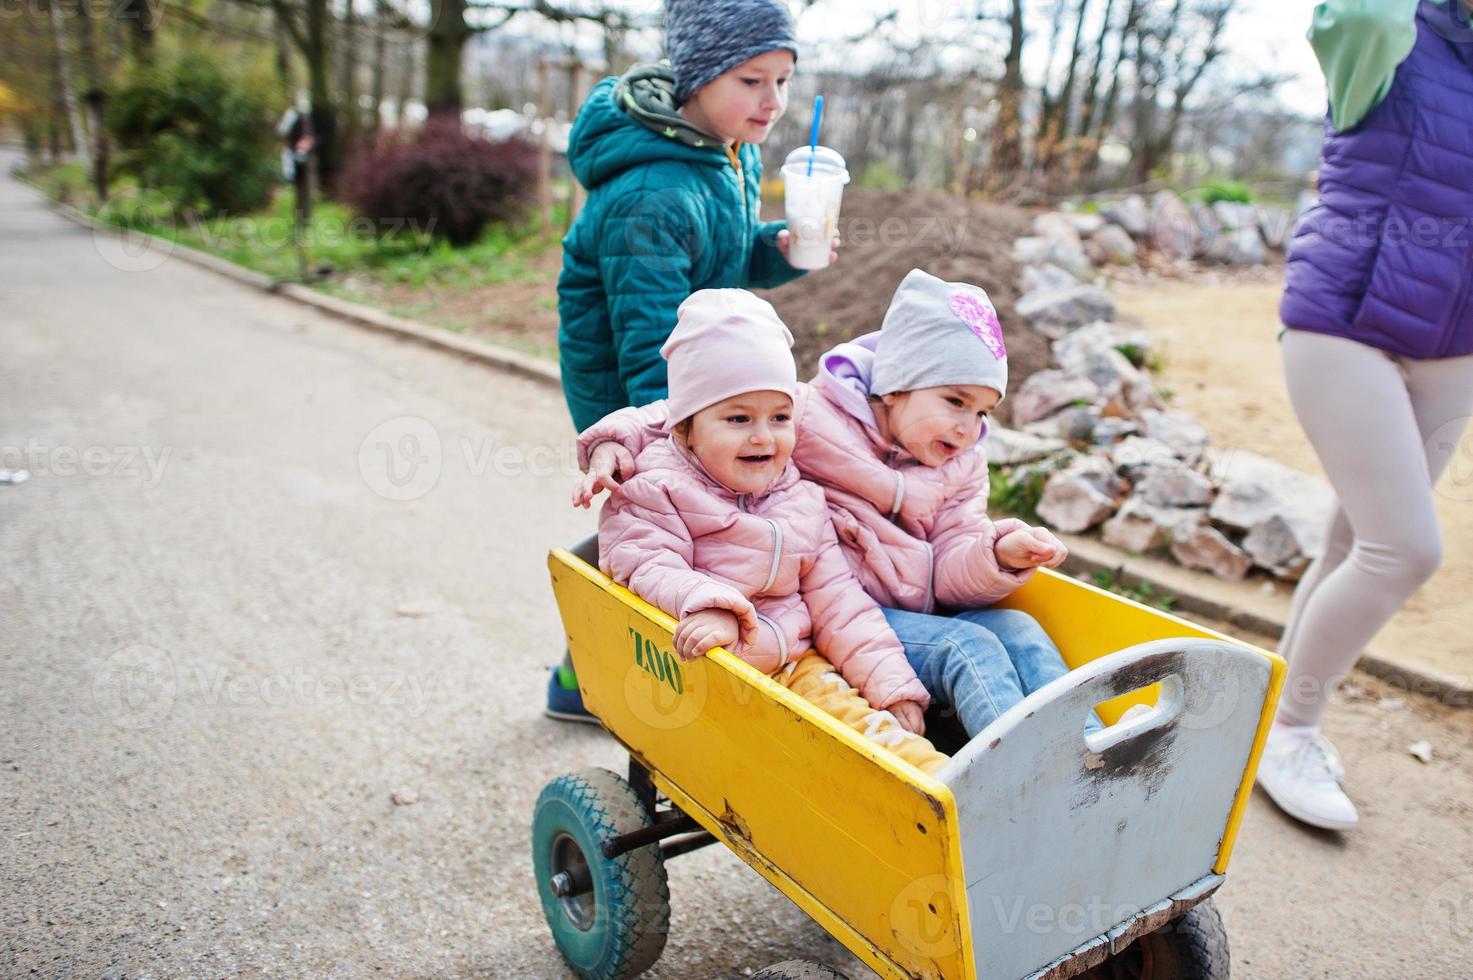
(1030,547)
(608,466)
(701,631)
(910,715)
(785,242)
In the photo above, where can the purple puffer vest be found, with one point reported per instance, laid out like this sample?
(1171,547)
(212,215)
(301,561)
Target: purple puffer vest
(1385,258)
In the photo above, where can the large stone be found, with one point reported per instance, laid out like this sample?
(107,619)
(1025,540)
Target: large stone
(1139,527)
(1031,250)
(1054,312)
(1076,424)
(1274,545)
(1045,276)
(1240,246)
(1173,230)
(1177,429)
(1130,213)
(1136,454)
(1110,370)
(1255,490)
(1174,484)
(1047,391)
(1203,546)
(1073,349)
(1111,245)
(1083,222)
(1009,447)
(1078,498)
(1066,253)
(1058,227)
(1111,430)
(1232,215)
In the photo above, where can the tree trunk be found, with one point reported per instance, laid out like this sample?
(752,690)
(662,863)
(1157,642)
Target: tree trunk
(1090,105)
(409,72)
(348,80)
(284,60)
(1007,135)
(64,83)
(94,98)
(1112,99)
(141,17)
(445,50)
(324,113)
(376,89)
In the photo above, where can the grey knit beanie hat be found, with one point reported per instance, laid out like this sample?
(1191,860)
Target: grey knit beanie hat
(939,333)
(707,37)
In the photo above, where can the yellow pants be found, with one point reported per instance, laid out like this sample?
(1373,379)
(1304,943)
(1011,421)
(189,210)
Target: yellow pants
(818,682)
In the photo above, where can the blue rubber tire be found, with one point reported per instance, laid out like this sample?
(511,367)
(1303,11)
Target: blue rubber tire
(619,932)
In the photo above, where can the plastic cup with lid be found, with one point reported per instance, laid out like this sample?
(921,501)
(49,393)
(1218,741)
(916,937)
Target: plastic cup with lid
(812,195)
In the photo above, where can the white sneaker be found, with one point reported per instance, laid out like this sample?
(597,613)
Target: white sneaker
(1302,774)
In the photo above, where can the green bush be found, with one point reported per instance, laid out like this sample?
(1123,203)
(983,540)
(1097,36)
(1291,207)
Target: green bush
(880,176)
(196,133)
(1226,190)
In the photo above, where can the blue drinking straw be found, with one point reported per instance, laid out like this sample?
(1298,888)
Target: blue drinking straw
(813,133)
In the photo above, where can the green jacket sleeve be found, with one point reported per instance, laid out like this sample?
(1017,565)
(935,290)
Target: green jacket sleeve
(767,268)
(1359,44)
(645,265)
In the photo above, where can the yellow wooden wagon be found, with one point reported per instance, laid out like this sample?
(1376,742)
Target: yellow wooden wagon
(1040,850)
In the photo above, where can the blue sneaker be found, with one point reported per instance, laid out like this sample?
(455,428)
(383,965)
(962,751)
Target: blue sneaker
(564,704)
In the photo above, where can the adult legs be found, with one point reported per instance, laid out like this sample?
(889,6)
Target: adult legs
(1384,432)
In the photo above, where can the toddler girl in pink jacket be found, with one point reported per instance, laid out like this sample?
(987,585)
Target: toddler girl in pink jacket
(717,528)
(891,428)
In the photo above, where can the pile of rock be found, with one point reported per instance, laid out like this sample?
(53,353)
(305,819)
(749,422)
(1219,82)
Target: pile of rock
(1078,243)
(1095,430)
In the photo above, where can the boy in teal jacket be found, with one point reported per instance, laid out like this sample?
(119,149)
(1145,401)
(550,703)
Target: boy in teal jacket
(674,179)
(669,156)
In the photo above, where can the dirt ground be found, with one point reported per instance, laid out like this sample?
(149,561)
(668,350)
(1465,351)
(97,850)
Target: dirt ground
(1218,337)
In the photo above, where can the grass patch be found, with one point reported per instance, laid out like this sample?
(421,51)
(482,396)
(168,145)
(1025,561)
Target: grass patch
(1017,492)
(391,253)
(1145,593)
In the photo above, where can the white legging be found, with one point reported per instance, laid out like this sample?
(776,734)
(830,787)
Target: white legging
(1384,428)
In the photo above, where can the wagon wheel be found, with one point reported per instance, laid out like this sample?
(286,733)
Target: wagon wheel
(608,916)
(799,970)
(1191,947)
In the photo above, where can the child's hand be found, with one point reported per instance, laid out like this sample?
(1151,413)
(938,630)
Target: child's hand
(610,464)
(785,242)
(910,715)
(1030,547)
(701,631)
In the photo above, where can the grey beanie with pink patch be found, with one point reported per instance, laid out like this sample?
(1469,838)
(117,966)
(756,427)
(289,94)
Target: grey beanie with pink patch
(936,334)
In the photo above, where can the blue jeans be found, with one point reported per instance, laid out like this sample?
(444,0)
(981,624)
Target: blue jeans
(980,662)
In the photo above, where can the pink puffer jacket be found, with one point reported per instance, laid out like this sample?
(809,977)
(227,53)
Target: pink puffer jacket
(917,537)
(685,543)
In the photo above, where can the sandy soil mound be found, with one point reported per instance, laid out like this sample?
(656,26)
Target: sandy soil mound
(887,234)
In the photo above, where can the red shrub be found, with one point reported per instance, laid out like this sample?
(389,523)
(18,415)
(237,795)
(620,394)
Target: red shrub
(451,183)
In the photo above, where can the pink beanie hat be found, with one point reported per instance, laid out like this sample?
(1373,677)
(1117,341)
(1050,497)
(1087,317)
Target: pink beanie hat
(726,342)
